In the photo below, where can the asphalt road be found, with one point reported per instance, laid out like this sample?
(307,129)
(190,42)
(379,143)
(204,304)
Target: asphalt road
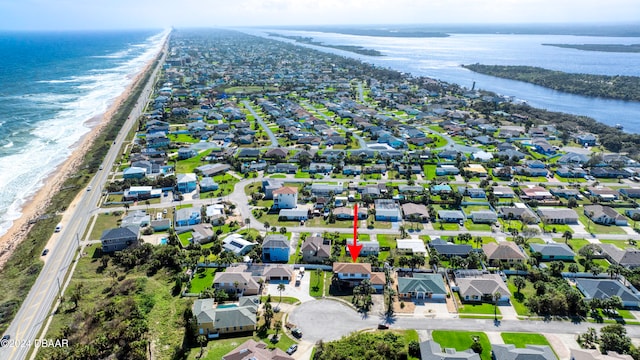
(272,137)
(36,307)
(330,320)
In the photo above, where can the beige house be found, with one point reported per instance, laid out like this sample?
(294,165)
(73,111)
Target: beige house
(504,251)
(214,320)
(241,283)
(482,288)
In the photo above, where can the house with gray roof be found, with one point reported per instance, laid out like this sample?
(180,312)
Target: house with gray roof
(315,249)
(256,350)
(136,218)
(422,286)
(431,350)
(448,249)
(481,287)
(629,258)
(451,215)
(117,239)
(606,288)
(604,215)
(415,211)
(213,320)
(529,352)
(484,217)
(517,213)
(557,216)
(553,251)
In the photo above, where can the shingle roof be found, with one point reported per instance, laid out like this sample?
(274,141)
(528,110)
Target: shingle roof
(604,289)
(352,268)
(530,352)
(504,250)
(485,284)
(553,249)
(429,283)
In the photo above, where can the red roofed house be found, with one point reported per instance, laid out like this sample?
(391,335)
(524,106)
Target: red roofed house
(285,198)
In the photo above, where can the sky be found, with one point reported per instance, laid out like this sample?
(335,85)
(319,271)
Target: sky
(128,14)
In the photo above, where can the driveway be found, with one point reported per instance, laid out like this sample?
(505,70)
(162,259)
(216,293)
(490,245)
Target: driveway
(329,320)
(300,292)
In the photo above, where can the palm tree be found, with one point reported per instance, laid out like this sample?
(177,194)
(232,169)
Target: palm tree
(202,341)
(496,298)
(281,288)
(519,283)
(573,268)
(567,236)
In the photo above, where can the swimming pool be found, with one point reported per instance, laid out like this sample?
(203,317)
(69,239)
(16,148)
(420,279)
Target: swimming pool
(224,306)
(163,241)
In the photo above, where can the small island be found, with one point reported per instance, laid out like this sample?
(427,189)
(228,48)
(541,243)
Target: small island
(605,86)
(619,48)
(351,48)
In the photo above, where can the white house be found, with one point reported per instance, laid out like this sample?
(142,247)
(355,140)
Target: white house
(285,198)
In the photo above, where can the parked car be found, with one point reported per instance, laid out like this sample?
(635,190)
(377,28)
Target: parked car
(383,325)
(45,252)
(5,340)
(296,332)
(292,349)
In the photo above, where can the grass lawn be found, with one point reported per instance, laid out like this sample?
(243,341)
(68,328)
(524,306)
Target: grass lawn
(104,222)
(202,279)
(471,226)
(519,299)
(599,229)
(622,244)
(447,226)
(218,348)
(483,308)
(575,244)
(188,165)
(320,222)
(429,171)
(521,339)
(183,138)
(462,340)
(184,238)
(387,240)
(316,283)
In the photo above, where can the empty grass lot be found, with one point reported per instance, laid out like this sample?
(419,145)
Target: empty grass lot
(202,280)
(520,340)
(462,340)
(316,283)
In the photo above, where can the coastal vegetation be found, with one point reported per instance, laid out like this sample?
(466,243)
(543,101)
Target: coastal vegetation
(371,345)
(309,40)
(605,86)
(621,48)
(24,265)
(112,304)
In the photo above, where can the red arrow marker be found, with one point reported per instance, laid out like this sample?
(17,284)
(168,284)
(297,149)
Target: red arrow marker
(354,249)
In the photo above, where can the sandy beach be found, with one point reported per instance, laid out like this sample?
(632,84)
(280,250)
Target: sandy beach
(37,204)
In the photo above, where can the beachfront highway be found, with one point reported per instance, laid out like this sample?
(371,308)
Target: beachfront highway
(32,315)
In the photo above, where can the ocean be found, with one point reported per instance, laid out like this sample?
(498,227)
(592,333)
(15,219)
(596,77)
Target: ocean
(52,85)
(441,57)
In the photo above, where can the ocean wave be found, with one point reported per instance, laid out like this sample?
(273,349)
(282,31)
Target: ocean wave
(8,145)
(51,140)
(61,81)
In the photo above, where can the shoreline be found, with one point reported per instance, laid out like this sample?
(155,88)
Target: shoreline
(36,204)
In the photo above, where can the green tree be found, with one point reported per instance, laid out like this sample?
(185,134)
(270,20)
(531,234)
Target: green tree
(567,235)
(614,338)
(281,288)
(496,298)
(519,283)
